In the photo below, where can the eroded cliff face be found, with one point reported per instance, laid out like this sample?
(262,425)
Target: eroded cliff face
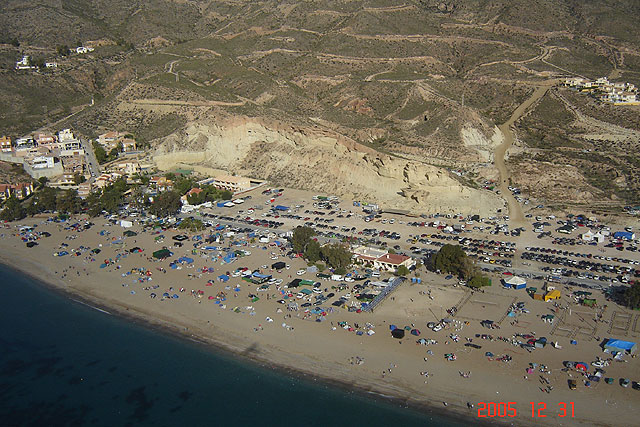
(311,159)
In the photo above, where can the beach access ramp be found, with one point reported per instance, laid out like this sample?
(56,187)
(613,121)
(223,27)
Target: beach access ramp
(395,283)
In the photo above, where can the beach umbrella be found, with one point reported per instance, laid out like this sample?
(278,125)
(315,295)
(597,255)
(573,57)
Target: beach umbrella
(393,327)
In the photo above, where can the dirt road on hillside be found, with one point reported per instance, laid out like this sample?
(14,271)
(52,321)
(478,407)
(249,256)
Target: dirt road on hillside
(516,216)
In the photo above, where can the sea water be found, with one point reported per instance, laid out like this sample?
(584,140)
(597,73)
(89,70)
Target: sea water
(65,363)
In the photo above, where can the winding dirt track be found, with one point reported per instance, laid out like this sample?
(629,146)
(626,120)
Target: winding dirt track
(516,216)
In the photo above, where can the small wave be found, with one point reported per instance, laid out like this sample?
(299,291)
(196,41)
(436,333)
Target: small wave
(95,308)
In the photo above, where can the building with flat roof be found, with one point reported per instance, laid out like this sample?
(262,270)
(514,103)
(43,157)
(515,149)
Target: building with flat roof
(232,183)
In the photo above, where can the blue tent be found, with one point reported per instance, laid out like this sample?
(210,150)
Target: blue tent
(281,208)
(613,344)
(229,257)
(223,277)
(626,235)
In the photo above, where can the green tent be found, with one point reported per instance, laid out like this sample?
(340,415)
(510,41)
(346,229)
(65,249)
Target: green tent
(162,253)
(130,233)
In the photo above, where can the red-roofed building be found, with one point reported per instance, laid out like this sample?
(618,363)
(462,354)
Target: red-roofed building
(391,262)
(20,190)
(194,190)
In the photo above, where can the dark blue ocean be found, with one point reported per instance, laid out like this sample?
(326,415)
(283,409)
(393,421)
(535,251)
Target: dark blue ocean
(63,363)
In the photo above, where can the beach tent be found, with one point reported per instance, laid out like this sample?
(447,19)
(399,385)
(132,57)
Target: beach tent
(130,233)
(516,282)
(619,345)
(278,265)
(415,332)
(397,333)
(229,258)
(223,277)
(162,253)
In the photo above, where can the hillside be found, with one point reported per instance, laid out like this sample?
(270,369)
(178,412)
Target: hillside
(417,81)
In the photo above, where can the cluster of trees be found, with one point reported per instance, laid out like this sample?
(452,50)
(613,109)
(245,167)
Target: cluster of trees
(191,224)
(631,296)
(108,199)
(335,255)
(101,154)
(46,199)
(166,203)
(209,194)
(452,259)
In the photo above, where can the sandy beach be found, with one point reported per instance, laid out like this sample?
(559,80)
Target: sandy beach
(329,346)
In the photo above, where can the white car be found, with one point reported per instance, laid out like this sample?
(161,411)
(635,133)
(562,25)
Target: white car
(301,272)
(349,279)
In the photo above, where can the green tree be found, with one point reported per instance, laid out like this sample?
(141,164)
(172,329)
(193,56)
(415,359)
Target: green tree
(165,204)
(452,259)
(13,210)
(337,256)
(78,178)
(42,181)
(68,201)
(113,154)
(191,224)
(402,271)
(197,198)
(479,281)
(46,198)
(101,155)
(94,203)
(31,208)
(182,185)
(301,237)
(138,198)
(631,296)
(312,251)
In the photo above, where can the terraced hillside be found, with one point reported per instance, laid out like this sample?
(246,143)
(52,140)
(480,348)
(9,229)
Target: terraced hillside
(419,82)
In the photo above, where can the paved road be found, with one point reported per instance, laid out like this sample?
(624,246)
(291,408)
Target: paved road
(92,162)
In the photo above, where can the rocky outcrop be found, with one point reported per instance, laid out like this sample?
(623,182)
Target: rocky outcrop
(311,159)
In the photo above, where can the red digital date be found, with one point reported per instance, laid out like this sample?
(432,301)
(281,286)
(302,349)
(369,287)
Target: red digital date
(508,409)
(500,409)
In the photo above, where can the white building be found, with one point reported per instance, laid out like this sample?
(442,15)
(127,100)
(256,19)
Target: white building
(24,63)
(42,162)
(83,49)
